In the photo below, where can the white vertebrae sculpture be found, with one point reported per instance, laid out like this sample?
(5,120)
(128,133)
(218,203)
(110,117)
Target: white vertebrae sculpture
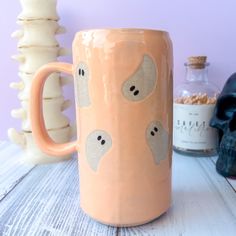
(38,9)
(38,33)
(37,45)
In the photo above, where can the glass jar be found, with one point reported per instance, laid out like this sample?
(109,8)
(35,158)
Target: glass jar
(194,103)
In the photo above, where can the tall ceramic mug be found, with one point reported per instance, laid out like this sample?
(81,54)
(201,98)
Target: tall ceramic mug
(123,92)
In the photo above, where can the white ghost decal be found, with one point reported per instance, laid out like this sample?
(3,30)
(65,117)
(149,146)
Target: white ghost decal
(157,139)
(97,144)
(142,82)
(81,85)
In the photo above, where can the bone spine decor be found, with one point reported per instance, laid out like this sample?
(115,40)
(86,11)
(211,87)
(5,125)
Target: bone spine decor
(194,102)
(37,46)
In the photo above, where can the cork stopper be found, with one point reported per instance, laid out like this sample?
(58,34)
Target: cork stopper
(197,62)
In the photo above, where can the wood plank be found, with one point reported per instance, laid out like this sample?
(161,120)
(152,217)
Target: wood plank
(232,181)
(46,202)
(12,170)
(220,184)
(7,151)
(203,203)
(3,146)
(3,143)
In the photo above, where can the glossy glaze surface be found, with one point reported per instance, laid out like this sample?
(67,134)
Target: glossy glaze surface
(123,87)
(128,187)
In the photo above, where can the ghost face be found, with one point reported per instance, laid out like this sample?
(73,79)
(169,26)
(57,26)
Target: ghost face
(142,82)
(81,85)
(97,144)
(157,140)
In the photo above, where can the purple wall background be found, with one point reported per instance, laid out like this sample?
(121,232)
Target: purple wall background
(196,27)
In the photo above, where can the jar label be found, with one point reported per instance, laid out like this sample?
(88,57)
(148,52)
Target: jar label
(191,127)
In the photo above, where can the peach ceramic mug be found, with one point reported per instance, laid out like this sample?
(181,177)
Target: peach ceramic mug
(123,90)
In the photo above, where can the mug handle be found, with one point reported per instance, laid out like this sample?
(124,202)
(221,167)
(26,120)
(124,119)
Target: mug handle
(36,112)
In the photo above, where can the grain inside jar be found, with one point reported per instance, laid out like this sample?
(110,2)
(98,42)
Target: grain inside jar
(194,102)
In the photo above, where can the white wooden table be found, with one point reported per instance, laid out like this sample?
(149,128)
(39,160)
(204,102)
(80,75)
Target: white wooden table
(44,200)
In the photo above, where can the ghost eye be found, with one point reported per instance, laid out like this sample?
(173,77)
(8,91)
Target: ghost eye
(132,88)
(81,72)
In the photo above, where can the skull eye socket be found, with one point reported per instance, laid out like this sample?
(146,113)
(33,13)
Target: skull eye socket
(226,108)
(232,123)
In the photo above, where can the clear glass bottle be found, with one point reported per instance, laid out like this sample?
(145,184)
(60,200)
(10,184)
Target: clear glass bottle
(194,103)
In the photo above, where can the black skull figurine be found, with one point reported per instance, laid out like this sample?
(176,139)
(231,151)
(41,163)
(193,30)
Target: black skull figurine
(224,119)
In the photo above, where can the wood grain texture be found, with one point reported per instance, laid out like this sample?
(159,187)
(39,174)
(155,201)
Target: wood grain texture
(46,202)
(203,203)
(232,181)
(12,171)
